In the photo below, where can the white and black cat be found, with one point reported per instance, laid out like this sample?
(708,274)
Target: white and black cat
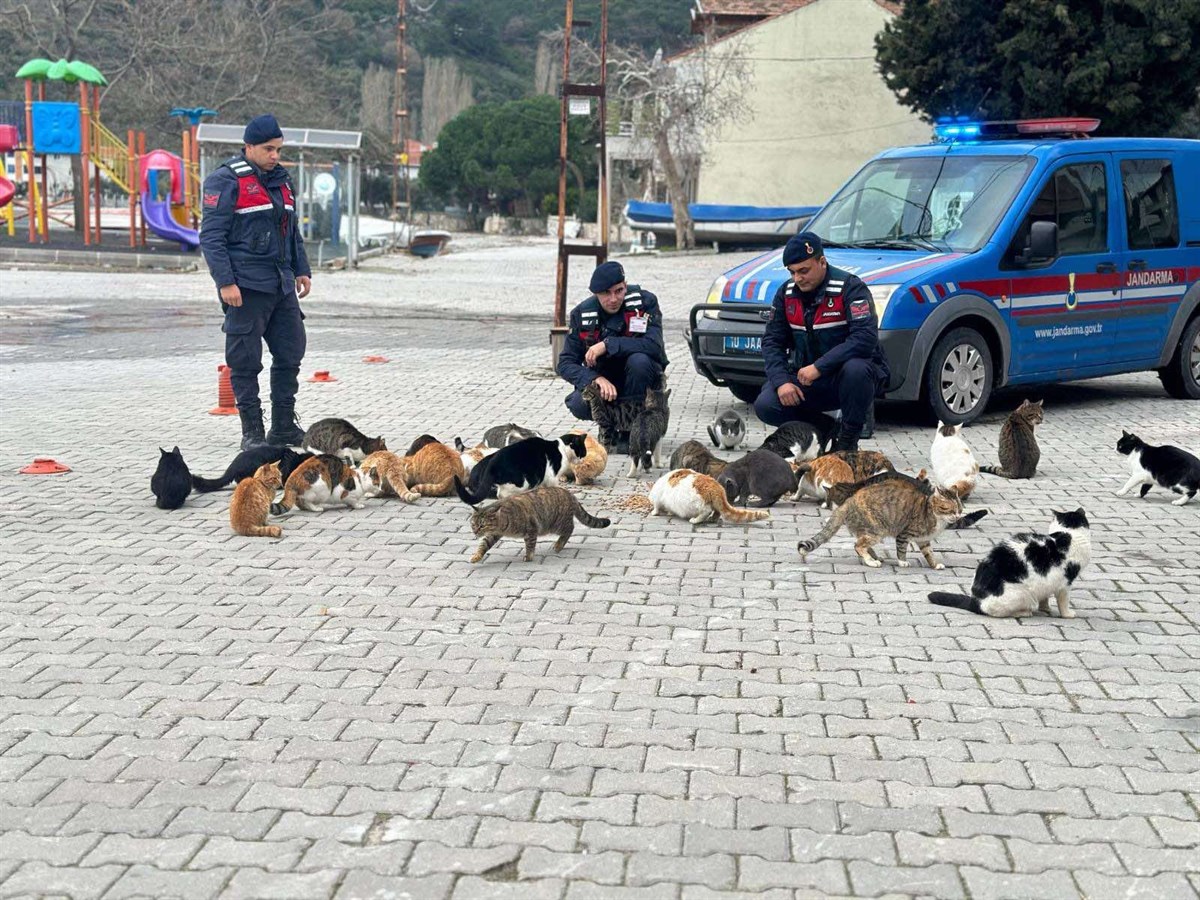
(171,482)
(728,430)
(760,473)
(1169,467)
(522,466)
(1021,574)
(801,441)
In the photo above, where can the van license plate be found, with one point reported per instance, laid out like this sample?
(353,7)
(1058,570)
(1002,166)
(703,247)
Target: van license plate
(742,343)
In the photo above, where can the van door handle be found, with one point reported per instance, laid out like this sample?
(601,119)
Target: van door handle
(1106,267)
(1137,265)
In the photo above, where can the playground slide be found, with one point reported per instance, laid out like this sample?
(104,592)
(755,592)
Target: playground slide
(6,191)
(158,220)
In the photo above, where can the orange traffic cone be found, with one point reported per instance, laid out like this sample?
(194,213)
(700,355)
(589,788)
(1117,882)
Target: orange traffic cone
(375,359)
(226,405)
(44,465)
(322,375)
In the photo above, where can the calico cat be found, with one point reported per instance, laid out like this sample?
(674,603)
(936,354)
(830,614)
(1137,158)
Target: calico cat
(338,437)
(1021,574)
(546,510)
(523,466)
(728,430)
(422,441)
(588,469)
(430,472)
(647,430)
(954,466)
(890,508)
(695,456)
(246,463)
(697,498)
(839,493)
(472,456)
(251,501)
(761,473)
(1019,453)
(801,440)
(1169,467)
(843,467)
(323,479)
(611,418)
(172,481)
(502,435)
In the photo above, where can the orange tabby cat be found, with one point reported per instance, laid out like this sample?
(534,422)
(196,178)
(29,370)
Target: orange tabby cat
(427,473)
(818,475)
(251,502)
(588,469)
(373,468)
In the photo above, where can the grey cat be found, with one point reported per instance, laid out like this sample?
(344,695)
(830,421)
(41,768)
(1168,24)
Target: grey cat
(647,430)
(728,430)
(337,437)
(695,456)
(762,473)
(611,418)
(502,435)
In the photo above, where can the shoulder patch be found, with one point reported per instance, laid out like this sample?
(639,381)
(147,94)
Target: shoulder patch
(211,200)
(860,309)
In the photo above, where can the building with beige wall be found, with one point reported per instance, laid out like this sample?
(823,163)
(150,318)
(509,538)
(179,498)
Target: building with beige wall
(817,108)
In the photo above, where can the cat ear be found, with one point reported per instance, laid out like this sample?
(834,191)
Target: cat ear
(162,451)
(1124,433)
(1039,403)
(941,424)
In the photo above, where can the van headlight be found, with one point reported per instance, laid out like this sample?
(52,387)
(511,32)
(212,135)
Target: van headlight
(715,295)
(881,295)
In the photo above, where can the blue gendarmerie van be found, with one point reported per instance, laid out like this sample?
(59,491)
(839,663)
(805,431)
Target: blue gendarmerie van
(1003,253)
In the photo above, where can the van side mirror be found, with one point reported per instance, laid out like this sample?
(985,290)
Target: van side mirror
(1043,241)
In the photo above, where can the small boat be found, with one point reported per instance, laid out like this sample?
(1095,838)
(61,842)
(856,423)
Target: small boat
(428,243)
(723,224)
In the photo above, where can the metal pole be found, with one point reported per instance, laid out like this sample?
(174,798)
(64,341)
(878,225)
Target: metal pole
(558,330)
(31,193)
(603,187)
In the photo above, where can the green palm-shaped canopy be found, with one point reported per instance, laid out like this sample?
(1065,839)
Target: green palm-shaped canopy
(69,71)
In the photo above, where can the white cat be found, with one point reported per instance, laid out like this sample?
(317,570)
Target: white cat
(1020,575)
(954,465)
(697,498)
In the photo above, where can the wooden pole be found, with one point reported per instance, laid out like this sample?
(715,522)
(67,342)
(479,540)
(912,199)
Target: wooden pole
(95,160)
(130,179)
(137,185)
(85,154)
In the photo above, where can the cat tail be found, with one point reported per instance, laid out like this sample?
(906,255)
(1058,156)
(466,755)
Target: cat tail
(287,504)
(958,601)
(837,494)
(832,524)
(736,514)
(968,520)
(586,517)
(712,436)
(465,495)
(207,485)
(440,489)
(271,531)
(995,470)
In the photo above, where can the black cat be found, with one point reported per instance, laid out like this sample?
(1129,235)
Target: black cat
(171,481)
(246,463)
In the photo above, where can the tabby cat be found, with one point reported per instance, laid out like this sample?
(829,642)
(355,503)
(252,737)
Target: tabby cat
(646,432)
(1019,453)
(697,498)
(890,508)
(840,493)
(251,501)
(172,481)
(430,472)
(339,438)
(373,468)
(841,467)
(695,456)
(1021,574)
(588,469)
(499,436)
(954,466)
(321,480)
(611,418)
(546,510)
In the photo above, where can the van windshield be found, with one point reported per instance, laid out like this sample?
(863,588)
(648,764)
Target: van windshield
(946,203)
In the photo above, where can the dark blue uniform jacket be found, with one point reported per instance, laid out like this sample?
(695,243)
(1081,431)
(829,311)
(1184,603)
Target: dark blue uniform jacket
(249,234)
(589,324)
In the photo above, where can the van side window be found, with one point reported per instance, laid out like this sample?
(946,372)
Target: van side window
(1151,212)
(1076,199)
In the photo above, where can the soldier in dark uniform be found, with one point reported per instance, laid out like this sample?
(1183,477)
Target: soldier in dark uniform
(615,340)
(256,256)
(821,348)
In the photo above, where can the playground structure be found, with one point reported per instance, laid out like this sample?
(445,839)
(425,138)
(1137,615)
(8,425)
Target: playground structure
(163,187)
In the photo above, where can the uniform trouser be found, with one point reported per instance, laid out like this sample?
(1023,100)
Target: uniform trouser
(276,319)
(852,390)
(631,377)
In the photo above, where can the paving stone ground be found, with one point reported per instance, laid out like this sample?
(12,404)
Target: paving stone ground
(658,712)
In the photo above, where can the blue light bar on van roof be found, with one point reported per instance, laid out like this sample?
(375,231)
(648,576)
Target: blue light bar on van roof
(948,130)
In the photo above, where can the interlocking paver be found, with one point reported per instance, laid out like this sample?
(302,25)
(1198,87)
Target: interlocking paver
(657,712)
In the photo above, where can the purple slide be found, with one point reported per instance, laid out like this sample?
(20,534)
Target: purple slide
(158,220)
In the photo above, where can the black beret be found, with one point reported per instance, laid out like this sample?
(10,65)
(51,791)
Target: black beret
(605,276)
(805,245)
(261,129)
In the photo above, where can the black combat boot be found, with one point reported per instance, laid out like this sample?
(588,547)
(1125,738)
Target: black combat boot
(847,440)
(252,425)
(868,430)
(285,427)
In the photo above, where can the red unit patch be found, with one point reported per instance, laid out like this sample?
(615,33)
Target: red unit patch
(211,200)
(860,309)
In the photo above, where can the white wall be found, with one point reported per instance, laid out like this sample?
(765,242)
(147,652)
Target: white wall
(818,109)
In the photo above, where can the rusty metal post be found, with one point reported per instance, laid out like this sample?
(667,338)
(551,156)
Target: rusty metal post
(602,188)
(558,330)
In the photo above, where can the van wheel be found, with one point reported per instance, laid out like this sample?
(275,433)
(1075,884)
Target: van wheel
(747,393)
(958,377)
(1181,376)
